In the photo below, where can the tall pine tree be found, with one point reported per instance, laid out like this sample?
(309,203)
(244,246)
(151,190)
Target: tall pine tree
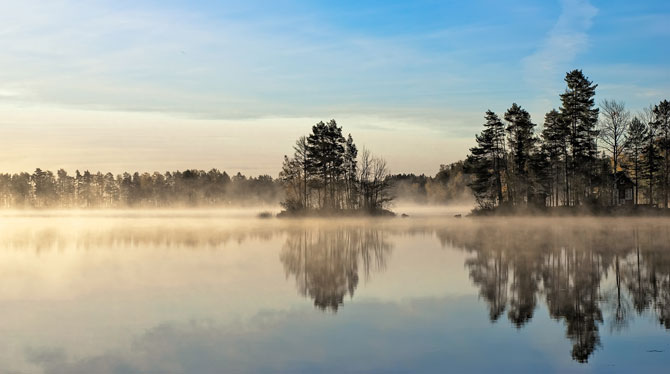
(555,139)
(662,125)
(521,145)
(487,163)
(578,111)
(634,149)
(325,149)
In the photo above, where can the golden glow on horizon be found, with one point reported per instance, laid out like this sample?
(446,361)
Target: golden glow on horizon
(52,138)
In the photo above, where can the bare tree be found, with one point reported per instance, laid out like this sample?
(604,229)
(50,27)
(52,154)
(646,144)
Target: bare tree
(614,123)
(373,182)
(364,172)
(380,183)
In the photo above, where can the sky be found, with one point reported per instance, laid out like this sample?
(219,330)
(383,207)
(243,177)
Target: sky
(169,85)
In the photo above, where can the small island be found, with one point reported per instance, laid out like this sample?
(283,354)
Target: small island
(585,160)
(326,176)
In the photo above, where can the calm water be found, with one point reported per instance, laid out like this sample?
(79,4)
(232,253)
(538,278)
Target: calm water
(217,293)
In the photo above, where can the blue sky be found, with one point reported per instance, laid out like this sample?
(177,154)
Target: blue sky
(399,75)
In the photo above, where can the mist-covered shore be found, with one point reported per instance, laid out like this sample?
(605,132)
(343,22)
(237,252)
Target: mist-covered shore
(567,211)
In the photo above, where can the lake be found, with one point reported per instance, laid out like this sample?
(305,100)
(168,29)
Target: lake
(225,292)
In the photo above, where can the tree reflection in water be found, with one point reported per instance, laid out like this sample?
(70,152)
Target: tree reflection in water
(325,263)
(569,266)
(589,273)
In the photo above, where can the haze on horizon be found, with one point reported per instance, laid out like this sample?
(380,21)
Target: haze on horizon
(121,85)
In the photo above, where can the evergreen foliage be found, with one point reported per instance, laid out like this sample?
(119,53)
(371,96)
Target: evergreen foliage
(327,174)
(562,166)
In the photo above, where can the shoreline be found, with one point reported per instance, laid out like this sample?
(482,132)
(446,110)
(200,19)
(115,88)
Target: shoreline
(577,211)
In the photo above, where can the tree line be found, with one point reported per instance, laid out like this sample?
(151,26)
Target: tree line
(327,173)
(44,189)
(581,157)
(199,188)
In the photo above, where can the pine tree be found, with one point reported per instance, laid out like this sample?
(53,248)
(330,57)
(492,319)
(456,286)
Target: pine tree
(578,111)
(662,125)
(498,151)
(521,145)
(555,140)
(325,149)
(540,178)
(487,162)
(652,163)
(351,170)
(480,165)
(634,149)
(302,162)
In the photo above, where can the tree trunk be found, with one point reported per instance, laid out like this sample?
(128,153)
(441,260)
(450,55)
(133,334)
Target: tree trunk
(667,171)
(636,180)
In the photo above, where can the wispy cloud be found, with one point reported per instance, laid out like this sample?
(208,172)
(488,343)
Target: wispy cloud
(229,67)
(566,39)
(383,70)
(239,65)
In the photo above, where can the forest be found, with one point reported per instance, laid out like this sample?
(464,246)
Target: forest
(194,188)
(190,188)
(584,156)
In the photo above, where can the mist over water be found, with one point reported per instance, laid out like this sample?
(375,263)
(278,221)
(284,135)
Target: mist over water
(222,291)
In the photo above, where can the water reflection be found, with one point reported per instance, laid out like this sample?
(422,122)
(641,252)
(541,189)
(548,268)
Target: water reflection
(131,235)
(594,277)
(585,272)
(515,264)
(325,263)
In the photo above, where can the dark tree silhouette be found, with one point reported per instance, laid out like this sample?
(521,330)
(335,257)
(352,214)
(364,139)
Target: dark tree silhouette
(326,174)
(487,162)
(615,120)
(555,140)
(561,165)
(577,109)
(634,149)
(662,125)
(521,146)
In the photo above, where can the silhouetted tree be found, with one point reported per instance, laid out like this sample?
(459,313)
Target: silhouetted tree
(521,146)
(634,148)
(487,163)
(555,140)
(578,111)
(325,149)
(613,128)
(662,125)
(350,173)
(324,174)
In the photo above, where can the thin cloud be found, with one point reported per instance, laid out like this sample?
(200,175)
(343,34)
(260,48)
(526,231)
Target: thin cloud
(566,39)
